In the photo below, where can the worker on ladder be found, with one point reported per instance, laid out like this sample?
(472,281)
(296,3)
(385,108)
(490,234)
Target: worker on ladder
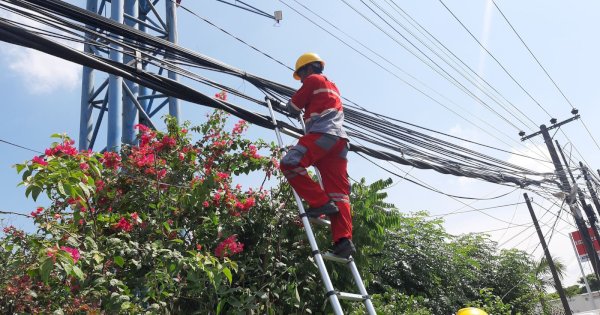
(324,145)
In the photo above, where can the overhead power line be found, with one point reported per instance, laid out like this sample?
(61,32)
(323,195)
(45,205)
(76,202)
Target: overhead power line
(545,71)
(494,58)
(423,151)
(246,7)
(462,109)
(20,146)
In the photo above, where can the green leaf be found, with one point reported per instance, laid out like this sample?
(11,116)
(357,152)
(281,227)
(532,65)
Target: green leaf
(26,174)
(227,273)
(167,226)
(84,188)
(61,188)
(67,268)
(97,258)
(119,261)
(19,167)
(35,192)
(220,307)
(78,273)
(46,268)
(125,305)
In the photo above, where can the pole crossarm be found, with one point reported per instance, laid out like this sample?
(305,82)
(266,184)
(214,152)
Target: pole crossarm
(551,127)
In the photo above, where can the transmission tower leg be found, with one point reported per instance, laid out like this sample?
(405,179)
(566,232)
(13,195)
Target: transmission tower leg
(330,291)
(115,88)
(173,37)
(143,91)
(87,90)
(130,112)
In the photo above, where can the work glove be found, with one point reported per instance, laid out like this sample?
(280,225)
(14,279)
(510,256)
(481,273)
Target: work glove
(290,109)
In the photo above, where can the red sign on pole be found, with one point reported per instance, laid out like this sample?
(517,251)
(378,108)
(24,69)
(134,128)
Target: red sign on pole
(581,251)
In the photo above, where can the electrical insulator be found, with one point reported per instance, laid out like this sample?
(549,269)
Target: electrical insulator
(575,111)
(553,121)
(521,133)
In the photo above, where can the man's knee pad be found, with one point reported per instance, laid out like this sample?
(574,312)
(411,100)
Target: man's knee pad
(294,156)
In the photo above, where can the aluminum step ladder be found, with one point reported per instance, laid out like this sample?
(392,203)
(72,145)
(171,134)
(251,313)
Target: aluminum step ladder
(333,295)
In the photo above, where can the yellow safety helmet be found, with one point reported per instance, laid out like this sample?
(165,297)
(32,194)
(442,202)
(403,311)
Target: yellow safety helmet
(306,59)
(471,311)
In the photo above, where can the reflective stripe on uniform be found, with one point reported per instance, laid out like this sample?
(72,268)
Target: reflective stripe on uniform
(330,91)
(323,113)
(339,197)
(291,173)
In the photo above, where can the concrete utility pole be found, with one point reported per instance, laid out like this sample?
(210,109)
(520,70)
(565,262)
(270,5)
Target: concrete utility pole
(565,187)
(584,170)
(589,212)
(557,283)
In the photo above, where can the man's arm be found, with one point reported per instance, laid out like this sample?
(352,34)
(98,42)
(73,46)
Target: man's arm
(303,96)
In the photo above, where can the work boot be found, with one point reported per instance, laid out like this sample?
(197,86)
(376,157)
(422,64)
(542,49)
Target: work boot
(327,209)
(344,248)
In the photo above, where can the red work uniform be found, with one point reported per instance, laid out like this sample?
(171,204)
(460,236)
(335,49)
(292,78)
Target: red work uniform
(325,145)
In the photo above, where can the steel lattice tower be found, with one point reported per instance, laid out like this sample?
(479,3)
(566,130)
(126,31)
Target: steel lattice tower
(124,103)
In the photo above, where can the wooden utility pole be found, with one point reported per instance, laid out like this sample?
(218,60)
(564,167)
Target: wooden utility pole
(557,283)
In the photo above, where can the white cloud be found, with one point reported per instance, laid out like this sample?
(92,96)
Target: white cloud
(41,73)
(537,151)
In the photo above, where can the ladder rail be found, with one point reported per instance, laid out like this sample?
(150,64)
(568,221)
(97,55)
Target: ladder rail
(333,298)
(361,288)
(350,262)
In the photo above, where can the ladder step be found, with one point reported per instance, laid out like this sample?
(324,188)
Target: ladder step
(351,296)
(319,221)
(332,257)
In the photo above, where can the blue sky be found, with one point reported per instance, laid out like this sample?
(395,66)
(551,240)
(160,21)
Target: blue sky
(42,95)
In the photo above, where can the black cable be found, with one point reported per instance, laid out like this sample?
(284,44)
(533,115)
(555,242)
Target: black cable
(493,57)
(474,83)
(432,189)
(20,146)
(437,42)
(473,210)
(414,86)
(277,88)
(233,36)
(254,10)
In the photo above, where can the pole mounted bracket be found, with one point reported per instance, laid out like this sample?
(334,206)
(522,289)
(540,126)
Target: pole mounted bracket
(138,61)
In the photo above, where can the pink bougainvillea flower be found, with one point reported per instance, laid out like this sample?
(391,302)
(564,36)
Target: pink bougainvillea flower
(74,252)
(100,185)
(230,246)
(37,212)
(142,128)
(205,204)
(249,203)
(222,175)
(168,142)
(239,127)
(111,160)
(124,225)
(39,161)
(84,166)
